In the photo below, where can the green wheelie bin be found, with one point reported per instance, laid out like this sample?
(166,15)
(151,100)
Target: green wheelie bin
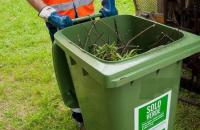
(139,93)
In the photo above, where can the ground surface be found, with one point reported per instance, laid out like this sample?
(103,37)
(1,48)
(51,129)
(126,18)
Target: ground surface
(29,96)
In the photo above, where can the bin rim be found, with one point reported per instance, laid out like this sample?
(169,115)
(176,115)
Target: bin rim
(111,62)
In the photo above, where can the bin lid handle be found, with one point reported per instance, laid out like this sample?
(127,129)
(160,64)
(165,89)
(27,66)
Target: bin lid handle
(89,17)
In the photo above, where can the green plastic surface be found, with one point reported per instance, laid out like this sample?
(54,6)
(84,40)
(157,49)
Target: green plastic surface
(108,92)
(63,76)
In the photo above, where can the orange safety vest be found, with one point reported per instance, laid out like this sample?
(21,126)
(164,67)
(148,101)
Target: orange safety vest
(66,7)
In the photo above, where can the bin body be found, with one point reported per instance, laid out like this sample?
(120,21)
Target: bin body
(135,94)
(113,108)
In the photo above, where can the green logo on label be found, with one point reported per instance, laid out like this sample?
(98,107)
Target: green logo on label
(154,114)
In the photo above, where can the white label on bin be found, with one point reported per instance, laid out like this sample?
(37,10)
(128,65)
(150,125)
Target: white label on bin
(153,115)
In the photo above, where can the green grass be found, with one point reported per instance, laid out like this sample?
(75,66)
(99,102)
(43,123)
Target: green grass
(29,95)
(188,116)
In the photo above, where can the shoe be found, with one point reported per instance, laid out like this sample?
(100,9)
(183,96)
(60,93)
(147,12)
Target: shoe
(81,126)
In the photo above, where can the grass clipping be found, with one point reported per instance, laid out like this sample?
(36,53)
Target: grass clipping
(113,51)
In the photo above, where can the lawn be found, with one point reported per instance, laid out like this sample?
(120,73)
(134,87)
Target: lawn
(29,95)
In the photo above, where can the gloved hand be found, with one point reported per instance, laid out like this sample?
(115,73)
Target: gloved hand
(109,8)
(49,14)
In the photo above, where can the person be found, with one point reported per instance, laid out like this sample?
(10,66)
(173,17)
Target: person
(58,14)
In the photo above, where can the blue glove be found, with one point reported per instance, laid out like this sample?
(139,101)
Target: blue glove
(59,21)
(109,8)
(49,14)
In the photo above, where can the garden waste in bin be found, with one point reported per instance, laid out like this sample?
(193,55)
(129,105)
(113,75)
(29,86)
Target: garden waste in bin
(138,93)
